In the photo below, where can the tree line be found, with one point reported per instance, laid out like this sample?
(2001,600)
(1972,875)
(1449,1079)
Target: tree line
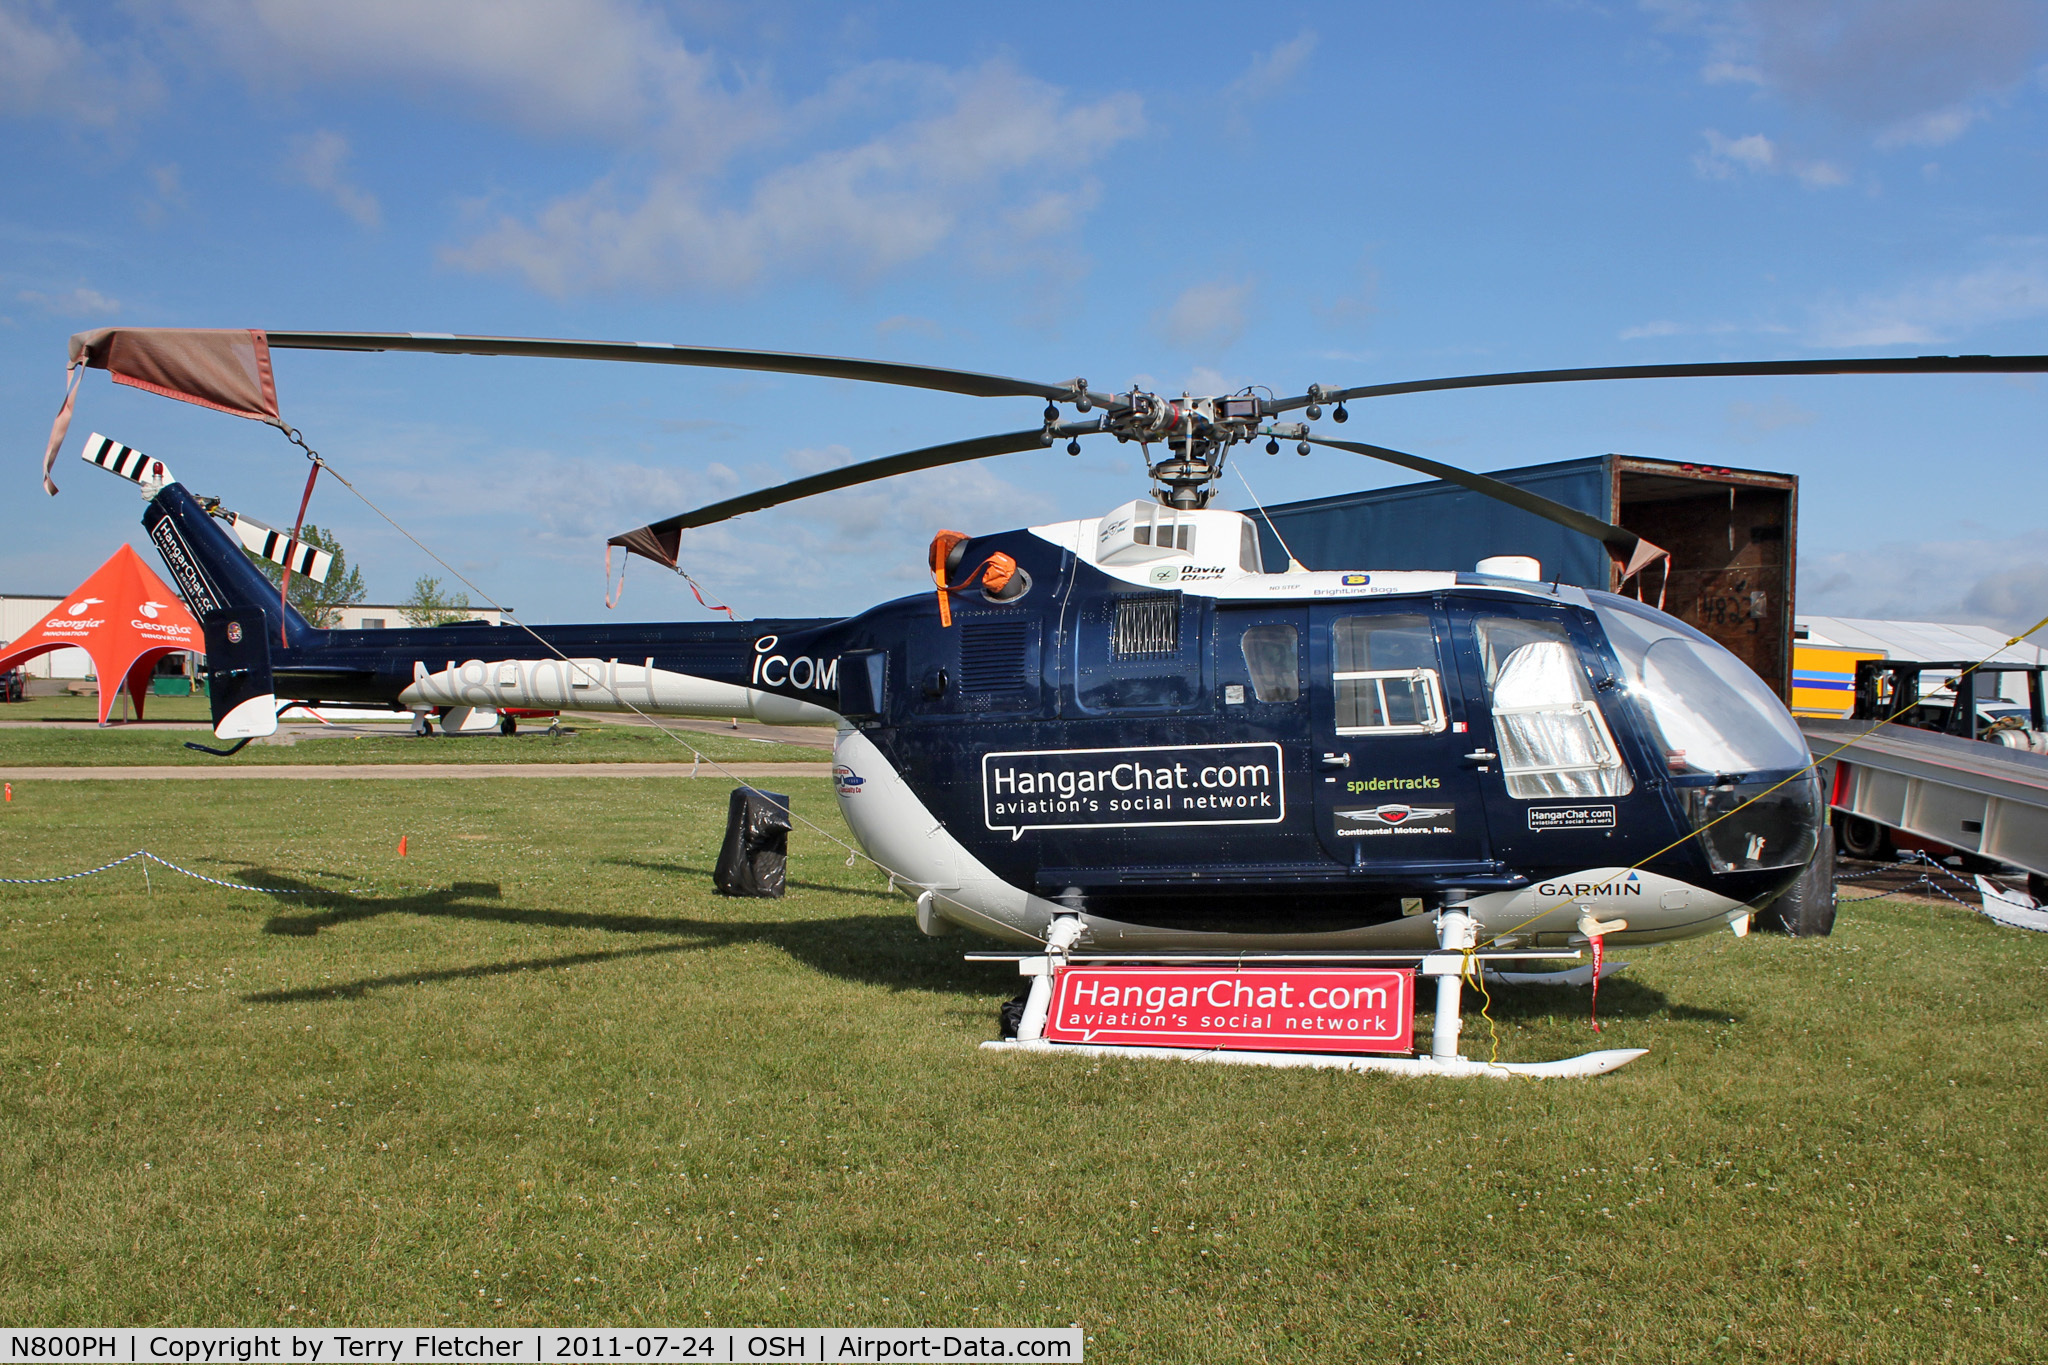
(429,604)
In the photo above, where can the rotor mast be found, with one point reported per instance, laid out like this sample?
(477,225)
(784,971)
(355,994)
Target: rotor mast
(1197,434)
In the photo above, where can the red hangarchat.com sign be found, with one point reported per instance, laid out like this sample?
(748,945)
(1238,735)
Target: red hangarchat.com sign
(1255,1010)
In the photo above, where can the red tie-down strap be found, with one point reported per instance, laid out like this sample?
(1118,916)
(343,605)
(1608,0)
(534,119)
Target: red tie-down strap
(943,545)
(285,584)
(1598,943)
(992,575)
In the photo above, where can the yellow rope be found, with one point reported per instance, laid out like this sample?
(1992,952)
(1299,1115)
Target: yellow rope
(1476,973)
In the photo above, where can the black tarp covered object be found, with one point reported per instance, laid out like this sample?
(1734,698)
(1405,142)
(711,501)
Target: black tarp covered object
(754,860)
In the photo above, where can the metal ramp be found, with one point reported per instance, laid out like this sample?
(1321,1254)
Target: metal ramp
(1973,796)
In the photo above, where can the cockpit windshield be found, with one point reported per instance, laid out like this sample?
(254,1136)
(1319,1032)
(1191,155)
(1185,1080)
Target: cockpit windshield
(1710,712)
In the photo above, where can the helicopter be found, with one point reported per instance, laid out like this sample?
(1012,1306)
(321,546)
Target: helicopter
(1126,730)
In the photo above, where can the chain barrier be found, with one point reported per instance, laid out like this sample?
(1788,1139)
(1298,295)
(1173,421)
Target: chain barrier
(1918,858)
(160,862)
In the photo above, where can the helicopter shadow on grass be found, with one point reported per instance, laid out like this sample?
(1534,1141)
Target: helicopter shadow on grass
(1620,998)
(689,870)
(883,950)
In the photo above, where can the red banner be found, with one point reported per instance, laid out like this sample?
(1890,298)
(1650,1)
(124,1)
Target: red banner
(1252,1010)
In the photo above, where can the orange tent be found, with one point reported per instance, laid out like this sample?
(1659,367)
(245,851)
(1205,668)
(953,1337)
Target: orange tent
(125,618)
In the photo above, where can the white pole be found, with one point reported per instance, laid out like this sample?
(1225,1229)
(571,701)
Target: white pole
(1064,933)
(1455,931)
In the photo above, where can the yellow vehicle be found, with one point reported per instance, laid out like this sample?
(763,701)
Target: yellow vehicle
(1824,678)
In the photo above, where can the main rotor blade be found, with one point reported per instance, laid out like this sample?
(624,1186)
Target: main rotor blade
(1627,548)
(671,353)
(660,540)
(1924,364)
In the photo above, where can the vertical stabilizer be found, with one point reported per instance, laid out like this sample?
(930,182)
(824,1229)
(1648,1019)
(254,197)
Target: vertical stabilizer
(211,570)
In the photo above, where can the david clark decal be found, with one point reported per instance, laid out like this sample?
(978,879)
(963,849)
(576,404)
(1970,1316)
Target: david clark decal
(1205,784)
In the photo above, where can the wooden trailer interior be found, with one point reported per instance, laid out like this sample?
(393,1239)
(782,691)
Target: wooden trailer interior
(1731,534)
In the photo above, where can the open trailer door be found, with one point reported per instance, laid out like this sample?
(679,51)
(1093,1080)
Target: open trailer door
(1731,534)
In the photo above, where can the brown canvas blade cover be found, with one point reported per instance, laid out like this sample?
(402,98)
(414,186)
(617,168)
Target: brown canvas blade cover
(226,369)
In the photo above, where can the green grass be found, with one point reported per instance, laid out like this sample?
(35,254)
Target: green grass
(88,708)
(536,1072)
(592,742)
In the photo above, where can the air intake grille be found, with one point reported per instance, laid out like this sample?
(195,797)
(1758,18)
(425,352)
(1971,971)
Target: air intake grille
(992,657)
(1148,625)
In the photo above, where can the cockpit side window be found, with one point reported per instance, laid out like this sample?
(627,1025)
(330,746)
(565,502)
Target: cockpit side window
(1272,657)
(1386,676)
(1709,711)
(1553,739)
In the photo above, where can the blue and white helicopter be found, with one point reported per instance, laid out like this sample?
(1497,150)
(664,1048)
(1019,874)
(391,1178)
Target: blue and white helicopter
(1130,724)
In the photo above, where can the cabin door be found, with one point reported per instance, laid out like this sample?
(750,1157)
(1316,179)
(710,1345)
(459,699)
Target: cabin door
(1563,787)
(1396,791)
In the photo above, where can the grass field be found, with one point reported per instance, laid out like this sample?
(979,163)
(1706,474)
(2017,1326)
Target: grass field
(592,741)
(536,1072)
(88,708)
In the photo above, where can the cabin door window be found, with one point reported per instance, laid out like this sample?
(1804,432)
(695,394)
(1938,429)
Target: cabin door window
(1553,739)
(1386,676)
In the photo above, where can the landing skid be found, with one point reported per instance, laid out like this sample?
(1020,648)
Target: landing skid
(1456,935)
(1590,1064)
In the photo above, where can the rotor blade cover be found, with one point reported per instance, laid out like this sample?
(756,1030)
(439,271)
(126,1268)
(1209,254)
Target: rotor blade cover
(660,541)
(1626,548)
(227,370)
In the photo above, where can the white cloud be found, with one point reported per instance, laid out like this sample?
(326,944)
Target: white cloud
(1210,315)
(584,67)
(1906,72)
(871,537)
(1725,157)
(47,70)
(2001,583)
(1271,71)
(72,303)
(1665,327)
(1883,61)
(1932,310)
(899,196)
(319,161)
(720,180)
(1937,129)
(1820,175)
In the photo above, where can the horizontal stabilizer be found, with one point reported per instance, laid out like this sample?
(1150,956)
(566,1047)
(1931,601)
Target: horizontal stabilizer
(127,461)
(272,543)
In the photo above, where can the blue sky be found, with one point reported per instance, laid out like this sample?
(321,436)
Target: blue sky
(1191,196)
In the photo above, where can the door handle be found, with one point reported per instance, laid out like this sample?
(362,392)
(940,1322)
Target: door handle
(1336,760)
(1481,756)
